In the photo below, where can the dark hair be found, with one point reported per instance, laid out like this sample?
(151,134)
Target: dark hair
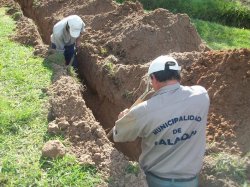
(167,74)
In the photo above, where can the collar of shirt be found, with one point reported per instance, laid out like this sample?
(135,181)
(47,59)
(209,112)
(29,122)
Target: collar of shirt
(167,89)
(66,36)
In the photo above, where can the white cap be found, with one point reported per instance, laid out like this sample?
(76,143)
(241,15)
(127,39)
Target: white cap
(158,64)
(76,25)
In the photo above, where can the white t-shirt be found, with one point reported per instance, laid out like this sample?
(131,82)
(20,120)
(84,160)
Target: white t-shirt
(60,36)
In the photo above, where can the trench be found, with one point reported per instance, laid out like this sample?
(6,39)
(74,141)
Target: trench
(104,110)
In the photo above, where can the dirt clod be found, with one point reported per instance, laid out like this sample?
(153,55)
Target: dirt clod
(53,149)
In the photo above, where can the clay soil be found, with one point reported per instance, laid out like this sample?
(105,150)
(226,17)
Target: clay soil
(115,52)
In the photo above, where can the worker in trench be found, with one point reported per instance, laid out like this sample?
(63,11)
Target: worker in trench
(171,125)
(66,38)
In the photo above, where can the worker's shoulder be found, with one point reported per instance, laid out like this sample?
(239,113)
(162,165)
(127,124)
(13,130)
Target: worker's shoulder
(139,109)
(196,89)
(59,26)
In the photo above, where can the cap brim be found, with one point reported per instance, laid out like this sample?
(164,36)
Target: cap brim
(177,68)
(75,33)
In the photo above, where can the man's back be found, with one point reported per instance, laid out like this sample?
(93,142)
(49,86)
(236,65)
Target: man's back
(172,125)
(173,135)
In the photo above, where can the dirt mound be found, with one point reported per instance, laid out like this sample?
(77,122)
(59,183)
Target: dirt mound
(73,107)
(27,32)
(76,123)
(6,3)
(226,75)
(130,34)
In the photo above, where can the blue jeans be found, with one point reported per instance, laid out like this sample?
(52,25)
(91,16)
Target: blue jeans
(69,51)
(157,182)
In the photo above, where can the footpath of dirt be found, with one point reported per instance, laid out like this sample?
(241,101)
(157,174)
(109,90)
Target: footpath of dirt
(114,55)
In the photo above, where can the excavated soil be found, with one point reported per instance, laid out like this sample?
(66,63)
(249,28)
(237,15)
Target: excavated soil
(114,55)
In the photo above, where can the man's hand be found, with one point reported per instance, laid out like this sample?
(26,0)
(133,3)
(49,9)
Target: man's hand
(78,42)
(123,113)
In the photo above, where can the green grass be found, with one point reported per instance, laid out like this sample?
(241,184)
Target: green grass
(216,35)
(133,168)
(72,173)
(109,67)
(222,37)
(231,13)
(230,166)
(23,120)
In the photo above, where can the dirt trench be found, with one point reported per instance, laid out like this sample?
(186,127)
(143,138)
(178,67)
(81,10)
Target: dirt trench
(122,35)
(115,52)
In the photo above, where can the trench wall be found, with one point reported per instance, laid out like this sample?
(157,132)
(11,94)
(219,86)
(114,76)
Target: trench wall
(156,32)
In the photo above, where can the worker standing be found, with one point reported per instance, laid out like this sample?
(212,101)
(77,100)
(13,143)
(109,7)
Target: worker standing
(65,37)
(172,126)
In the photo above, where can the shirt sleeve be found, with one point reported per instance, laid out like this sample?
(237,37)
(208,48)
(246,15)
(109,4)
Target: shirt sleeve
(58,42)
(127,128)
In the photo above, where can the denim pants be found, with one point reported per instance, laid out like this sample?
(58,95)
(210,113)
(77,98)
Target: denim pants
(68,53)
(157,182)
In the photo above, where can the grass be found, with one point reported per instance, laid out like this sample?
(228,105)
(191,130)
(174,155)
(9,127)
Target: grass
(230,166)
(103,51)
(109,67)
(133,168)
(128,95)
(231,13)
(218,36)
(23,120)
(73,174)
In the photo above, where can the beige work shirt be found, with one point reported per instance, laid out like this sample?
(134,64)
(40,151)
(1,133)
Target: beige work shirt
(172,125)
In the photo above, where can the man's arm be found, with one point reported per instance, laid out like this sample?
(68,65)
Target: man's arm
(127,128)
(58,41)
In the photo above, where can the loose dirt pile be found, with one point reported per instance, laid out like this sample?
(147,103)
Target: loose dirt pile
(115,52)
(89,141)
(226,75)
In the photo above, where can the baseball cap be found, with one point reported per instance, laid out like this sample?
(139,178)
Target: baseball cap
(76,25)
(159,63)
